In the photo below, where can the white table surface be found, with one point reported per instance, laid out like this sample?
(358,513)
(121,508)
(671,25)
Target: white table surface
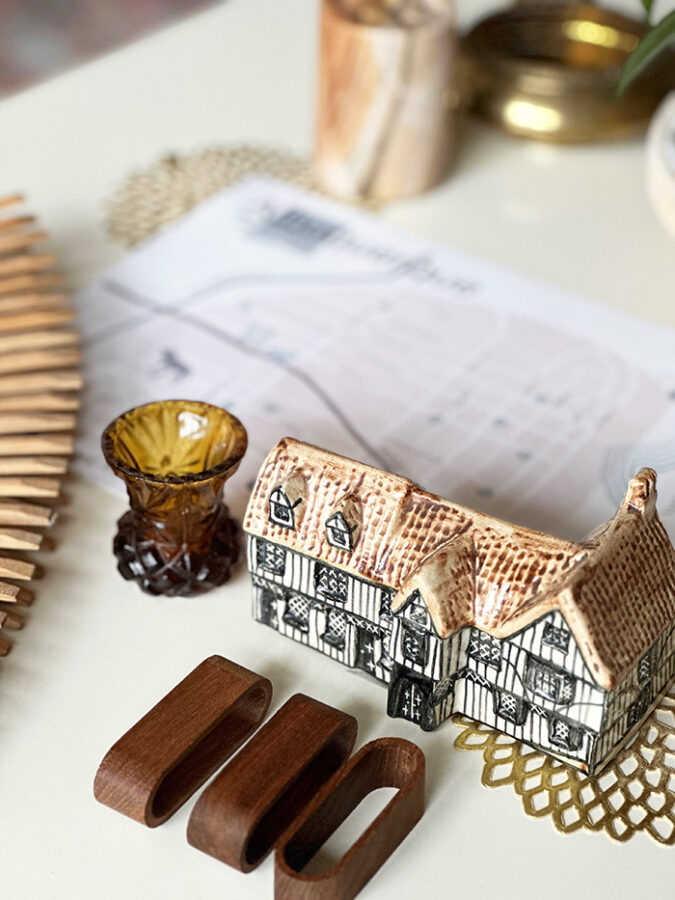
(97,653)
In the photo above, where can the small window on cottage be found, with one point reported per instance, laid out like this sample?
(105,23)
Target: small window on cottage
(414,644)
(442,689)
(417,614)
(339,532)
(645,667)
(635,713)
(548,682)
(639,708)
(564,734)
(385,605)
(281,509)
(336,627)
(331,582)
(270,557)
(556,637)
(297,612)
(511,708)
(485,648)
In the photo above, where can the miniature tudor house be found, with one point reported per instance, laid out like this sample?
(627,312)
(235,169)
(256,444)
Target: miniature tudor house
(566,646)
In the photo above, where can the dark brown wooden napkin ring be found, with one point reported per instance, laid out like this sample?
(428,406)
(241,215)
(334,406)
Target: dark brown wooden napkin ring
(160,762)
(252,802)
(387,762)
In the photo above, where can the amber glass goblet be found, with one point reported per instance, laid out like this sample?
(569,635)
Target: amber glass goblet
(174,457)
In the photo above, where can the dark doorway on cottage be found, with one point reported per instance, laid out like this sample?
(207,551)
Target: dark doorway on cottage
(268,608)
(365,650)
(409,699)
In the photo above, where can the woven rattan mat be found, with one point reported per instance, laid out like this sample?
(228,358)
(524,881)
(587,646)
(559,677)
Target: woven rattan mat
(153,197)
(637,791)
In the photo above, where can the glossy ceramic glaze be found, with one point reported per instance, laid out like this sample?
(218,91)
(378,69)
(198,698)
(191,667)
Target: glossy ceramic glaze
(563,645)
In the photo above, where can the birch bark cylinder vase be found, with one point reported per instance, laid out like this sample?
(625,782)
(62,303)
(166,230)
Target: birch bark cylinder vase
(386,97)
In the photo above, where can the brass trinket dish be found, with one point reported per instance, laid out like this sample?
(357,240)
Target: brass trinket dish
(551,72)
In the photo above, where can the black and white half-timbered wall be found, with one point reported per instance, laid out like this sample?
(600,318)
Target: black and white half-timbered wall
(567,646)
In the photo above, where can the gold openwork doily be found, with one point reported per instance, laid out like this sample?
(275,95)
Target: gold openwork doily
(152,198)
(636,792)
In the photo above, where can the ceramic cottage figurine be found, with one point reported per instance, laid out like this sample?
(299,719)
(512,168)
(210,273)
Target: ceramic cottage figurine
(566,646)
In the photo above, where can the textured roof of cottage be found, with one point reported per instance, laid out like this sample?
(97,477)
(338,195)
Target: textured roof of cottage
(616,591)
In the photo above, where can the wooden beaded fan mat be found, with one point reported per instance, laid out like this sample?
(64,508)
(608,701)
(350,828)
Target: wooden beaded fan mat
(39,385)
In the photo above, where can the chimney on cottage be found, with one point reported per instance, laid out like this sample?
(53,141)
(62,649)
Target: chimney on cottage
(641,494)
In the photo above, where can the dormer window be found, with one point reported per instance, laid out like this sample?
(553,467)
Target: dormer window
(339,532)
(342,526)
(282,511)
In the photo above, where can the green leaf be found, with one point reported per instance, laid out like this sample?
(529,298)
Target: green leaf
(648,6)
(654,41)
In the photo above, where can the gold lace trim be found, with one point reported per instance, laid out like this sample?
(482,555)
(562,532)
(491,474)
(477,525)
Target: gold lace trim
(634,793)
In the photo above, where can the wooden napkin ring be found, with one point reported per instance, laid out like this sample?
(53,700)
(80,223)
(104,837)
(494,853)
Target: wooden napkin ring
(160,762)
(387,762)
(250,804)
